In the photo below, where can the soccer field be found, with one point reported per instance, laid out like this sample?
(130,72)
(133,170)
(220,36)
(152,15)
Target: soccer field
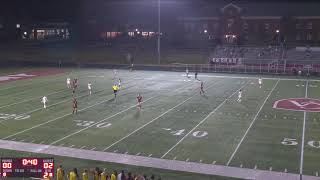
(175,122)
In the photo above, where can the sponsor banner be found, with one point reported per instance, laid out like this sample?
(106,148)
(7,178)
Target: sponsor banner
(298,104)
(227,60)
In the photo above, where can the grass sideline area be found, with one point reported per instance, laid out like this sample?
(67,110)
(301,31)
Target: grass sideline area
(175,122)
(70,163)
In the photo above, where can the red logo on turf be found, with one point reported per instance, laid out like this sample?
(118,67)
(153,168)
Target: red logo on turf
(298,104)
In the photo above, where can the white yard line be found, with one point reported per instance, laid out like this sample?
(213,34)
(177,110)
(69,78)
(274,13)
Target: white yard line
(202,121)
(252,122)
(191,167)
(303,133)
(128,135)
(27,100)
(100,121)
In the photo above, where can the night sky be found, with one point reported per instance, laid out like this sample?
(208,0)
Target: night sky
(70,10)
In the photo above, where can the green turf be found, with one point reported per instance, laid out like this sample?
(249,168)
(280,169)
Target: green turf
(173,122)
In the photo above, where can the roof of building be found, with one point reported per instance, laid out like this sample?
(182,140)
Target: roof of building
(257,9)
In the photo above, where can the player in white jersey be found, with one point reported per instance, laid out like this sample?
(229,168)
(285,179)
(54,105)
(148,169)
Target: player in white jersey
(68,83)
(260,82)
(239,95)
(119,83)
(187,72)
(114,73)
(44,101)
(89,87)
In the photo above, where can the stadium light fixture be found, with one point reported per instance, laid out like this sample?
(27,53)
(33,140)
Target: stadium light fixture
(137,30)
(277,31)
(18,26)
(205,31)
(25,33)
(234,36)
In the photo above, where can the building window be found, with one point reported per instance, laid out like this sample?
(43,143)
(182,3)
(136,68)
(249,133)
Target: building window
(131,34)
(267,26)
(215,27)
(256,28)
(309,37)
(309,25)
(298,37)
(205,26)
(299,26)
(230,23)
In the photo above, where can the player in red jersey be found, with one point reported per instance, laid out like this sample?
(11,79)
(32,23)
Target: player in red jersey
(74,106)
(201,88)
(74,85)
(139,99)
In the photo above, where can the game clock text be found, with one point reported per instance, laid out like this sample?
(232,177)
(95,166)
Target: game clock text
(27,167)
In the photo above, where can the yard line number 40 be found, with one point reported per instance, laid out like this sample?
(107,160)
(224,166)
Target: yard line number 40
(293,142)
(198,134)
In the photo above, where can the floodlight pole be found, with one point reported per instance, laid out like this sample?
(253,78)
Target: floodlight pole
(159,31)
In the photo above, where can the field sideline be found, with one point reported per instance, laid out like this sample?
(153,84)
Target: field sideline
(175,122)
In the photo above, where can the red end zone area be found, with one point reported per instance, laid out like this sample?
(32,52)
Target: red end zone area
(298,104)
(28,75)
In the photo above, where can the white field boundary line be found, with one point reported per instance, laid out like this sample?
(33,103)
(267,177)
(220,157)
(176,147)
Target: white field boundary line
(33,127)
(65,137)
(252,122)
(203,120)
(303,133)
(27,100)
(141,127)
(174,165)
(28,129)
(252,77)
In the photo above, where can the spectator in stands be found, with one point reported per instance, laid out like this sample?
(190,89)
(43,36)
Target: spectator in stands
(73,175)
(96,174)
(152,177)
(85,175)
(60,173)
(119,175)
(123,175)
(114,175)
(104,175)
(139,178)
(130,176)
(145,177)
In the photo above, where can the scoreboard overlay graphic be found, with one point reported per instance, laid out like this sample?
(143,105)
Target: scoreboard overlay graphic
(27,167)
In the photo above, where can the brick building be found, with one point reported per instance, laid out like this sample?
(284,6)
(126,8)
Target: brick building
(268,22)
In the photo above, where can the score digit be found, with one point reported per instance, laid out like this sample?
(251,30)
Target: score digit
(6,165)
(47,165)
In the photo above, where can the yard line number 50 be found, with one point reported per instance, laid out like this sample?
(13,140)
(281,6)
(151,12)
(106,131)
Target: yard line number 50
(293,142)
